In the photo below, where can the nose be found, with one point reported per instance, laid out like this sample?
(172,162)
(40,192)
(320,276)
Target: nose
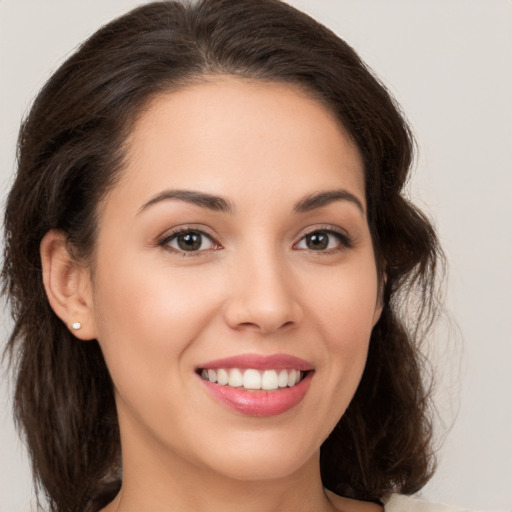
(263,296)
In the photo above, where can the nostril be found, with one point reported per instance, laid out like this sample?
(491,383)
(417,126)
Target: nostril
(264,327)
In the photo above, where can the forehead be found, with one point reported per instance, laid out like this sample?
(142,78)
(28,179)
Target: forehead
(228,135)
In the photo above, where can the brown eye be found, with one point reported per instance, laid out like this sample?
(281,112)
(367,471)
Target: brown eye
(323,240)
(190,241)
(317,241)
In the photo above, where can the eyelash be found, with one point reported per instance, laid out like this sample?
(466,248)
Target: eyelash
(167,239)
(344,241)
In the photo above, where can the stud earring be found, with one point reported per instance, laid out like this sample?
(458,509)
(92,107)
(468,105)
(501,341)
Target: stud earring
(76,326)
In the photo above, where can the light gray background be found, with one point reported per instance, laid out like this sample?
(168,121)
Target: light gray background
(449,64)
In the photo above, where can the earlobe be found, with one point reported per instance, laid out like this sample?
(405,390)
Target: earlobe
(67,285)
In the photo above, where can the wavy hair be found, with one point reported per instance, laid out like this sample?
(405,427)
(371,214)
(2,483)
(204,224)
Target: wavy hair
(71,151)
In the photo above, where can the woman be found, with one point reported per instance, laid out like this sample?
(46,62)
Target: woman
(208,257)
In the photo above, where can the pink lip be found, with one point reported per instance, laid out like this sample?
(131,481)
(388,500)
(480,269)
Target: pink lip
(259,362)
(259,402)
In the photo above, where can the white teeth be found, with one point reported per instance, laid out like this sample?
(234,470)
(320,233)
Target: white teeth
(283,379)
(250,378)
(235,378)
(222,376)
(269,380)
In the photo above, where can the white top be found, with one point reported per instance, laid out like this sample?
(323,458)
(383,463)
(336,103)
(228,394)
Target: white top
(402,503)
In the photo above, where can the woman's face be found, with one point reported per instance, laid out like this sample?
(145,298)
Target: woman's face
(234,255)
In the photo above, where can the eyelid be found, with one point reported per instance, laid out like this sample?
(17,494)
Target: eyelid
(346,240)
(163,240)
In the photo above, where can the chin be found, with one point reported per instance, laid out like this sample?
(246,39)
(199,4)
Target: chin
(260,460)
(260,470)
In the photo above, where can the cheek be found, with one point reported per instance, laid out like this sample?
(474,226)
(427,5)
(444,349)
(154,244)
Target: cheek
(346,303)
(345,312)
(147,316)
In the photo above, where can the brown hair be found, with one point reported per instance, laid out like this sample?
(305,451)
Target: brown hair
(70,151)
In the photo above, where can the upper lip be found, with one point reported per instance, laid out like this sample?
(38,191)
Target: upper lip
(259,362)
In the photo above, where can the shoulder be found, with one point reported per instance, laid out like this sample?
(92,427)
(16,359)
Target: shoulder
(402,503)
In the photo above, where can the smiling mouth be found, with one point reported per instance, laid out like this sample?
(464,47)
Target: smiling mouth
(252,379)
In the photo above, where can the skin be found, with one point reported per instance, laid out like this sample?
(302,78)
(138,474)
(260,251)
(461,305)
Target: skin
(254,286)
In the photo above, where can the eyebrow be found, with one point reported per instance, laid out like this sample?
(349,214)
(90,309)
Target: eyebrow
(204,200)
(220,204)
(321,199)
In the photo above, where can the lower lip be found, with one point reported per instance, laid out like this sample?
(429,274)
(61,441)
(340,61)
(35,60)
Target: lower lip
(259,402)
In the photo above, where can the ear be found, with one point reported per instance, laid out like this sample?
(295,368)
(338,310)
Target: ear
(67,285)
